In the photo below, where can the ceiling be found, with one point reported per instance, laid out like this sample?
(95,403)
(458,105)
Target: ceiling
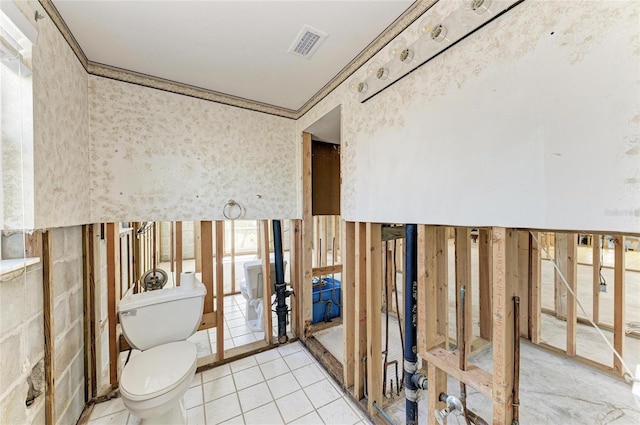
(238,48)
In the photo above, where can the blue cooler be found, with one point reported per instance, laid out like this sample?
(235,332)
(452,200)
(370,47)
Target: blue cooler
(326,299)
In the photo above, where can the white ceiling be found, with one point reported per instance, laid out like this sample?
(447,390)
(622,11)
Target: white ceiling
(237,47)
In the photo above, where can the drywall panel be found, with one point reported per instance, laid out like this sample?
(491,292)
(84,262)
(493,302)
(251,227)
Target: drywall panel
(162,156)
(533,121)
(60,128)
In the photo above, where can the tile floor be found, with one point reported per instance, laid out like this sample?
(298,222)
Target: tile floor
(236,330)
(285,385)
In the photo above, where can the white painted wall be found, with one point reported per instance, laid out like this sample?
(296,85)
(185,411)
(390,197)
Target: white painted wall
(513,126)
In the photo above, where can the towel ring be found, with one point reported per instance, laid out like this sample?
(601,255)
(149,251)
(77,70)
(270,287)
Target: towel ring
(229,210)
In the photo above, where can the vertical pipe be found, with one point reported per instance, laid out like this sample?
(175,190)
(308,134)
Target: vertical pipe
(281,305)
(410,326)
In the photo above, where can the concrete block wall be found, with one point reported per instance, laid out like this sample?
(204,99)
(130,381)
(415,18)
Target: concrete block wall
(68,324)
(21,347)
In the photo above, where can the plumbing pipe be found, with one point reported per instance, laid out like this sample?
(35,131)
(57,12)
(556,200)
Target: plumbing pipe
(383,413)
(410,323)
(281,286)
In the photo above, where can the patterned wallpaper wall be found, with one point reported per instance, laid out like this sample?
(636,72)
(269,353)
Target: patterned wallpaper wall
(161,156)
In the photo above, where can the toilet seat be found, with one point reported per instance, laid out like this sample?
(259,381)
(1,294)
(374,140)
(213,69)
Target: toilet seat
(158,370)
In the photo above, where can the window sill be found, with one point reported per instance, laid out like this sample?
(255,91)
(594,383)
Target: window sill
(17,264)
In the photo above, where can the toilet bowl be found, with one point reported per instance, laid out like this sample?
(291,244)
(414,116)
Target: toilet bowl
(251,289)
(154,381)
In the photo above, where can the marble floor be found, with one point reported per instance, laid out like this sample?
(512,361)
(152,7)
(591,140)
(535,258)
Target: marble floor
(284,385)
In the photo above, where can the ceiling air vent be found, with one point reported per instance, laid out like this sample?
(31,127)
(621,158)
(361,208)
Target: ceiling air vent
(307,42)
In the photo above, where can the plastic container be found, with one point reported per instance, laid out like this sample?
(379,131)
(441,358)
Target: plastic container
(326,299)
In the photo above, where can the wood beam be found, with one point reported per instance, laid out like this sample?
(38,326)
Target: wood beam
(560,254)
(307,239)
(535,286)
(479,379)
(178,251)
(206,262)
(523,281)
(113,296)
(266,282)
(505,254)
(463,280)
(348,252)
(321,271)
(442,273)
(374,322)
(572,279)
(49,337)
(197,248)
(595,247)
(484,286)
(294,271)
(360,301)
(618,302)
(89,303)
(219,252)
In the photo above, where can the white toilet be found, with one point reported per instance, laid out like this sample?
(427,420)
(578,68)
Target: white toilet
(153,382)
(252,289)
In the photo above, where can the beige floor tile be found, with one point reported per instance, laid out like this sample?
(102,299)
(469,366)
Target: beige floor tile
(309,374)
(294,406)
(283,385)
(107,408)
(215,373)
(254,396)
(248,377)
(338,412)
(195,416)
(222,409)
(218,388)
(267,356)
(241,364)
(321,393)
(274,368)
(310,419)
(298,360)
(264,415)
(193,397)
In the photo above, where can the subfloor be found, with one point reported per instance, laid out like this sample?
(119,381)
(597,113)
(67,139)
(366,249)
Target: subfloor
(284,385)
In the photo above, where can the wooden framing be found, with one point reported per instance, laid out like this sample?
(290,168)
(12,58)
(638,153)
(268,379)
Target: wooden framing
(595,246)
(523,281)
(294,274)
(49,337)
(442,271)
(113,296)
(266,282)
(374,305)
(348,301)
(178,251)
(360,301)
(572,279)
(197,248)
(505,254)
(306,307)
(485,268)
(219,253)
(619,303)
(89,312)
(463,280)
(535,288)
(206,263)
(560,254)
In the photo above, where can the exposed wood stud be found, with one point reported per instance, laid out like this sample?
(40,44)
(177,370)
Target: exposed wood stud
(307,238)
(535,286)
(572,279)
(219,252)
(178,251)
(266,282)
(595,246)
(463,279)
(360,331)
(348,252)
(374,325)
(113,295)
(294,270)
(442,273)
(505,254)
(560,254)
(484,286)
(206,262)
(49,337)
(619,302)
(523,281)
(197,248)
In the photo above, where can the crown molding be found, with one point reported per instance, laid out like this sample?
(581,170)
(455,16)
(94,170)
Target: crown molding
(400,24)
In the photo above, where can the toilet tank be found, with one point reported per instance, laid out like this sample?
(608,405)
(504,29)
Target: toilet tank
(153,318)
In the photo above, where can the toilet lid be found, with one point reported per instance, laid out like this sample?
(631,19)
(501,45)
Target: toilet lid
(160,369)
